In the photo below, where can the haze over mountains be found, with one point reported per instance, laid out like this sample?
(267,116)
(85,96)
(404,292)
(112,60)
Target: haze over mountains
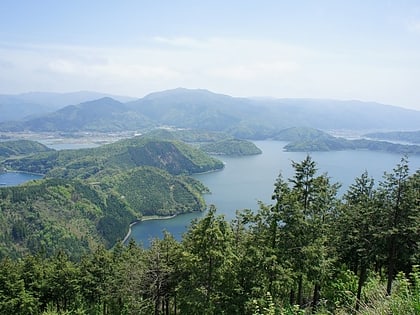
(197,109)
(16,107)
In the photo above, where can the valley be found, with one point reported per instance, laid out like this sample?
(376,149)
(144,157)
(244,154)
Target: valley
(187,168)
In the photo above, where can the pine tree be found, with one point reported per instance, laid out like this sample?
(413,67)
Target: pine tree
(357,229)
(400,211)
(208,282)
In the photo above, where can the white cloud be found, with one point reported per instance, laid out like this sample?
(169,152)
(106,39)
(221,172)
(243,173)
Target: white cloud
(240,67)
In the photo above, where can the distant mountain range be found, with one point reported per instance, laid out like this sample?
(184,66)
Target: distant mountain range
(21,106)
(399,136)
(204,110)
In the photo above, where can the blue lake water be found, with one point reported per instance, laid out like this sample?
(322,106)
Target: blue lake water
(246,180)
(17,178)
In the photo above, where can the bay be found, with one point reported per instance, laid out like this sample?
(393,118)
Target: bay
(17,178)
(246,180)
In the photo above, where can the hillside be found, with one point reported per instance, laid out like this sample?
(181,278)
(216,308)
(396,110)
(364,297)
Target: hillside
(233,147)
(90,196)
(25,105)
(50,215)
(311,140)
(211,142)
(173,156)
(99,115)
(243,118)
(72,215)
(20,147)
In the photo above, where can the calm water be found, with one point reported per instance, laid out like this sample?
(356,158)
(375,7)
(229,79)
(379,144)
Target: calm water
(246,180)
(16,178)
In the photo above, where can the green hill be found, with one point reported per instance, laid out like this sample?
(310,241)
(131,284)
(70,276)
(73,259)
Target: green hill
(90,196)
(21,147)
(51,215)
(104,114)
(173,156)
(301,134)
(311,140)
(234,147)
(243,118)
(212,142)
(76,216)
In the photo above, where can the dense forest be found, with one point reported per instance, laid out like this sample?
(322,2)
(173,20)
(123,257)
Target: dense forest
(308,251)
(89,197)
(173,156)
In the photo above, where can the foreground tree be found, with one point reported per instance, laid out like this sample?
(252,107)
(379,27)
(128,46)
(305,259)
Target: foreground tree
(160,277)
(207,285)
(306,216)
(399,196)
(357,229)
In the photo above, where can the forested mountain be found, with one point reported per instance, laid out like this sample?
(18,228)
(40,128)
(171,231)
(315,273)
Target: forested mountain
(311,140)
(173,156)
(308,251)
(21,106)
(77,216)
(260,118)
(241,117)
(212,142)
(14,108)
(20,147)
(91,196)
(99,115)
(232,147)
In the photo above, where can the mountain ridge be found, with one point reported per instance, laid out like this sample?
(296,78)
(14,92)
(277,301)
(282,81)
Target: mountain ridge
(240,117)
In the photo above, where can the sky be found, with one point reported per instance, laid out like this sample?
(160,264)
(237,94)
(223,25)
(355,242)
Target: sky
(331,49)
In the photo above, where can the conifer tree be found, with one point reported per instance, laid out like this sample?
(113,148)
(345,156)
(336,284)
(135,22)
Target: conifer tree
(208,282)
(357,229)
(400,211)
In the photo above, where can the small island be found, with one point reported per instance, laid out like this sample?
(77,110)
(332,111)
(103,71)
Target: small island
(231,147)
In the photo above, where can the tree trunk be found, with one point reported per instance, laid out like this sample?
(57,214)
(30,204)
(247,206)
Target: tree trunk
(316,296)
(292,296)
(300,290)
(391,265)
(360,283)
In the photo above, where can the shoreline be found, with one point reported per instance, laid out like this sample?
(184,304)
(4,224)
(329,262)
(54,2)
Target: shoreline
(210,171)
(146,218)
(4,171)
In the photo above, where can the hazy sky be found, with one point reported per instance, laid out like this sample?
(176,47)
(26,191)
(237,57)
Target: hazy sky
(349,49)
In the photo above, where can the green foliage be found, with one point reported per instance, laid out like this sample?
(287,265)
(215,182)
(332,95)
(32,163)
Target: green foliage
(294,134)
(20,147)
(204,110)
(173,156)
(113,225)
(74,215)
(77,215)
(233,147)
(207,285)
(312,140)
(404,300)
(308,252)
(150,191)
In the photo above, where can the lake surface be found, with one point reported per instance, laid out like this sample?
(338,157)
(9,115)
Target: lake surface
(246,180)
(17,178)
